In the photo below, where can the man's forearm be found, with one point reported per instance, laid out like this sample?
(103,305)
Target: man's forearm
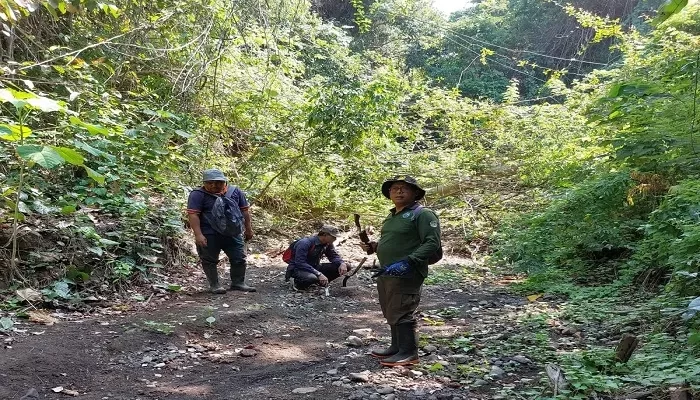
(194,223)
(246,220)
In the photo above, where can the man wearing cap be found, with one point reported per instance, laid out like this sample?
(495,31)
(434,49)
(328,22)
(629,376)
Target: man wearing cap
(306,268)
(410,236)
(209,242)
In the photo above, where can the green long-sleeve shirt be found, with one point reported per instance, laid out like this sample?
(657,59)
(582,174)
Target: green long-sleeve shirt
(407,236)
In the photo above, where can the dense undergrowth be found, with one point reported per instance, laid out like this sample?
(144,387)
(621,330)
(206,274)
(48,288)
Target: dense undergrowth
(589,185)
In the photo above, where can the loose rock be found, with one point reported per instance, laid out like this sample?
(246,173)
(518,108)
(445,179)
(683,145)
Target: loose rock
(364,332)
(459,358)
(522,359)
(430,348)
(385,390)
(304,390)
(496,372)
(415,374)
(248,353)
(359,376)
(354,341)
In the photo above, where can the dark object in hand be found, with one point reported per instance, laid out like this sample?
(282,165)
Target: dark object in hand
(363,234)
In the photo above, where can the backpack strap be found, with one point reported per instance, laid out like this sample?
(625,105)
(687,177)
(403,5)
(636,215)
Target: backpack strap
(230,191)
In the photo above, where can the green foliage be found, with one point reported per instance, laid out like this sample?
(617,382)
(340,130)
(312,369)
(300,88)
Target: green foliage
(672,237)
(668,9)
(159,327)
(584,232)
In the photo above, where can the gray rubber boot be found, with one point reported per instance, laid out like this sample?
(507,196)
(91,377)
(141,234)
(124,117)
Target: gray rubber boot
(238,278)
(392,349)
(213,277)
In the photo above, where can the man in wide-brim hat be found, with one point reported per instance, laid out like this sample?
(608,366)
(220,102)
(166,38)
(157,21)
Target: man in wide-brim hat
(410,238)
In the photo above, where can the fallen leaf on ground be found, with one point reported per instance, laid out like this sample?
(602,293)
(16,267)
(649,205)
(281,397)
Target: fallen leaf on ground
(534,297)
(41,317)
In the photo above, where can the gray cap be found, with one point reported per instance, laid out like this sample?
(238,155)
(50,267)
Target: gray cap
(213,175)
(330,229)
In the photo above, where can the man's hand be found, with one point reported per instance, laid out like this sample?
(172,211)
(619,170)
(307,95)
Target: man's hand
(322,280)
(343,269)
(201,240)
(369,248)
(248,235)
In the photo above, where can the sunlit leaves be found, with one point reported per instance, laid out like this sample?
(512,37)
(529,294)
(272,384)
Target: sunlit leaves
(14,133)
(25,99)
(91,128)
(42,155)
(69,155)
(99,178)
(668,9)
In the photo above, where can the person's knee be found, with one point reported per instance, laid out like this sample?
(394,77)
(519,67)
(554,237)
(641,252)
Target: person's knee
(305,279)
(209,259)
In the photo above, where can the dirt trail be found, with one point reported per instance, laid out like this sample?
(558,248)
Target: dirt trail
(261,345)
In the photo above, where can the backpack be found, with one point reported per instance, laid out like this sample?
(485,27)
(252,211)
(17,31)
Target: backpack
(437,256)
(288,254)
(225,215)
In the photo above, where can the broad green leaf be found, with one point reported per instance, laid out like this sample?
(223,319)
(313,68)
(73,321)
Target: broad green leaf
(668,9)
(108,242)
(94,151)
(68,209)
(167,114)
(42,208)
(182,133)
(161,125)
(61,289)
(6,324)
(91,128)
(71,156)
(96,176)
(14,133)
(96,250)
(45,104)
(174,287)
(77,275)
(44,156)
(23,208)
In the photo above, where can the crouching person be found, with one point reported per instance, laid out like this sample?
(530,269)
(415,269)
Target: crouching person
(304,259)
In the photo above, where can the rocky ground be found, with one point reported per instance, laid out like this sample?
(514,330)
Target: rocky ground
(478,341)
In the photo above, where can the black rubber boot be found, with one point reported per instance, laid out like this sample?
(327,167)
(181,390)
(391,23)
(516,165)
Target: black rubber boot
(238,279)
(408,347)
(213,277)
(392,349)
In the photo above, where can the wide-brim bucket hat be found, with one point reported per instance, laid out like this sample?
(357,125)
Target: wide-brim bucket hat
(213,174)
(420,193)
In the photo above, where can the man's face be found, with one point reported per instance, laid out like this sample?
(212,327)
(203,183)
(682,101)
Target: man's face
(327,239)
(402,193)
(214,186)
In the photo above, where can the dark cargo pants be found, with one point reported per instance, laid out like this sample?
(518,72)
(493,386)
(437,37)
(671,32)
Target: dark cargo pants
(304,279)
(399,297)
(233,247)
